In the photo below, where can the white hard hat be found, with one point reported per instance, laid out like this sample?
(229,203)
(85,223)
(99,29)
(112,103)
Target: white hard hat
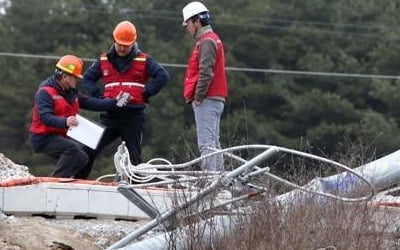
(192,9)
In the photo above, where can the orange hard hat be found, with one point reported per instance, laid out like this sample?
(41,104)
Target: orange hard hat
(71,64)
(125,33)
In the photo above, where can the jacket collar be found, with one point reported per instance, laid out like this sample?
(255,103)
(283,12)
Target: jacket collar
(112,54)
(202,31)
(52,82)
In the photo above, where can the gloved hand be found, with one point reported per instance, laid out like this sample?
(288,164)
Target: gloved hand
(123,98)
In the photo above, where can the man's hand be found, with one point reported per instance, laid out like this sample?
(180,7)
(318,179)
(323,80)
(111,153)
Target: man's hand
(123,98)
(196,102)
(72,121)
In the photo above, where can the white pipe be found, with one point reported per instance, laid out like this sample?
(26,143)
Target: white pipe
(212,230)
(381,173)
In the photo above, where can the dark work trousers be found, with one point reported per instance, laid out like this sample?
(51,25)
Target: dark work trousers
(71,157)
(127,125)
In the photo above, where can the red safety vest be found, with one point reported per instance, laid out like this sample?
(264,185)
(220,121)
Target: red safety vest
(61,108)
(132,81)
(218,85)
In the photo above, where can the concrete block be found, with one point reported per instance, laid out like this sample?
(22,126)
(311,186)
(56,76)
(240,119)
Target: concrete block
(67,198)
(1,199)
(106,201)
(24,199)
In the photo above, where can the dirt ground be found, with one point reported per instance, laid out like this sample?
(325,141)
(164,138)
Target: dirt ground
(38,233)
(41,233)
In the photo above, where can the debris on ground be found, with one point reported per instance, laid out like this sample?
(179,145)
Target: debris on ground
(36,232)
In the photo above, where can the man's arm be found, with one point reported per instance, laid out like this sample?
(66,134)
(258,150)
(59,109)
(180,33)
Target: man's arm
(46,111)
(97,104)
(207,58)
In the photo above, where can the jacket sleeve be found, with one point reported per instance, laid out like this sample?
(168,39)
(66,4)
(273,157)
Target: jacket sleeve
(207,59)
(45,106)
(97,104)
(159,78)
(90,78)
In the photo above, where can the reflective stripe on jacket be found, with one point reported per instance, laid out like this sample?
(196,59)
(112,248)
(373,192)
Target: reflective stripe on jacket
(132,81)
(61,108)
(218,85)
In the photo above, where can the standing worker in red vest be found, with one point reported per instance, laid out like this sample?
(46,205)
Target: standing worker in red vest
(124,68)
(205,83)
(56,105)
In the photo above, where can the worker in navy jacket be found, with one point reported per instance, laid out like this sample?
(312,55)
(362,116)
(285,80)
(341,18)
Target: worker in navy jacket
(56,105)
(124,68)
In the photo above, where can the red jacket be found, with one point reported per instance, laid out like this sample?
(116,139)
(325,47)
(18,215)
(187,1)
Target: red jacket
(132,81)
(61,108)
(218,85)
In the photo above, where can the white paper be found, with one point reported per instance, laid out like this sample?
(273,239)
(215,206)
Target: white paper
(87,132)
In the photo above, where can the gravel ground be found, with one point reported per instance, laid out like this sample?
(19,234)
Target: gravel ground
(44,233)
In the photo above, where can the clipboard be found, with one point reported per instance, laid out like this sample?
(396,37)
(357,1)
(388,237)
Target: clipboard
(87,132)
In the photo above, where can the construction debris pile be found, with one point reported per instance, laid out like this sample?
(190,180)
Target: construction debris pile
(9,169)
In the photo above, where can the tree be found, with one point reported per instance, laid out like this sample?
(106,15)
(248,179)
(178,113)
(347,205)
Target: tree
(360,37)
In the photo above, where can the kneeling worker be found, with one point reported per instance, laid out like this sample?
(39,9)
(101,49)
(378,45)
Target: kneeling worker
(56,105)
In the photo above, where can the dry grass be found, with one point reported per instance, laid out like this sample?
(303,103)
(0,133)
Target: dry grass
(313,224)
(306,222)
